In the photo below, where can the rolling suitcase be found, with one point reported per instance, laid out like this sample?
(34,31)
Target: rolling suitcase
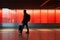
(20,28)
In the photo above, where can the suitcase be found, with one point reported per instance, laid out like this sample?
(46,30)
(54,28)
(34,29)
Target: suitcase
(20,28)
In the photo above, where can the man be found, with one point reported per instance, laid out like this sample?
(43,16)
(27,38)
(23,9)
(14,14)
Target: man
(25,21)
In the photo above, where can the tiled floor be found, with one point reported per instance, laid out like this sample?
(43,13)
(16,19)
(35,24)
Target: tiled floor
(35,34)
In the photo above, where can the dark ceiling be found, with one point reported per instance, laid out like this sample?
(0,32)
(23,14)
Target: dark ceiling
(30,4)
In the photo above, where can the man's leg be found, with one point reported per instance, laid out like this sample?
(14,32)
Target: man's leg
(22,27)
(27,28)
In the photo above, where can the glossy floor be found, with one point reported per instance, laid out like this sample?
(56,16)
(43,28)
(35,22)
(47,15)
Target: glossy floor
(35,34)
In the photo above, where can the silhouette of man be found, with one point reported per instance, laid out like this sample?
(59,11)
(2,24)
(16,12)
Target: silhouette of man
(25,21)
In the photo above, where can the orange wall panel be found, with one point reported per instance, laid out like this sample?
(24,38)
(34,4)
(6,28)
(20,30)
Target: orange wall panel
(19,16)
(57,16)
(43,16)
(36,16)
(51,16)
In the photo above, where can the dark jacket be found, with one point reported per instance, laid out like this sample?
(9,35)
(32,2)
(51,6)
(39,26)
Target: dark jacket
(26,18)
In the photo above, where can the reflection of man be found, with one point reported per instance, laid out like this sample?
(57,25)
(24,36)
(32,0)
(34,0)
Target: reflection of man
(24,38)
(25,21)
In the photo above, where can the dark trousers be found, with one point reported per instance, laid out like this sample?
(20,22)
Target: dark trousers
(25,24)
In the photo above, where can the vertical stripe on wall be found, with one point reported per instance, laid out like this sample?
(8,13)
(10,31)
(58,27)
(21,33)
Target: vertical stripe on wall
(43,16)
(0,16)
(57,16)
(51,14)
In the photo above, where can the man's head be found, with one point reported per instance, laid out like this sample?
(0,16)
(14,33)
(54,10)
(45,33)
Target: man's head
(24,11)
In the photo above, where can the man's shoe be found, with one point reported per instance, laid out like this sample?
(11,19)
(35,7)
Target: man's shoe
(27,32)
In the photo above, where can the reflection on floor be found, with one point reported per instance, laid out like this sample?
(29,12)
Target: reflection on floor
(35,34)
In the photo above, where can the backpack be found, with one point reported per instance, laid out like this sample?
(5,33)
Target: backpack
(28,17)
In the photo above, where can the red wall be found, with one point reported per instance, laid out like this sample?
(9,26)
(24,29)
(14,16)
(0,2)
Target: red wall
(37,16)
